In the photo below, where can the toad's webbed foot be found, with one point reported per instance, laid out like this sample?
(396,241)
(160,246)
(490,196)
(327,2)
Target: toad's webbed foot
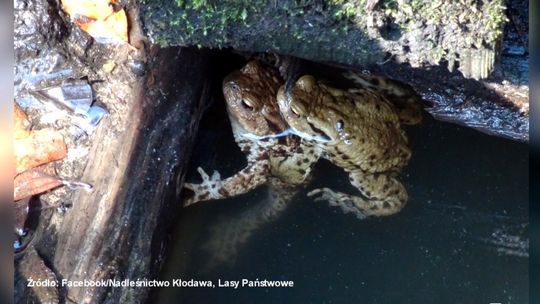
(213,188)
(337,199)
(207,190)
(229,234)
(382,194)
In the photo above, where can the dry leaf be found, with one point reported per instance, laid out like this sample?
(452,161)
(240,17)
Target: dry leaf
(35,181)
(33,148)
(21,122)
(40,147)
(92,9)
(98,18)
(113,27)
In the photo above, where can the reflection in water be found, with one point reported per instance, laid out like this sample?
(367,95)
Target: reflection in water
(461,239)
(511,240)
(468,207)
(229,233)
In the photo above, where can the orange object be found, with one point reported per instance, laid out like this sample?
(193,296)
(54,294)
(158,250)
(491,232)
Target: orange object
(35,181)
(40,147)
(33,148)
(98,18)
(21,123)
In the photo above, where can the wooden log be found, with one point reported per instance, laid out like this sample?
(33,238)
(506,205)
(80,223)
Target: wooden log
(136,160)
(114,232)
(491,106)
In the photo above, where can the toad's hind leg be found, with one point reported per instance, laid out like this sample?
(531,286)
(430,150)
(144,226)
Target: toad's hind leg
(407,103)
(383,195)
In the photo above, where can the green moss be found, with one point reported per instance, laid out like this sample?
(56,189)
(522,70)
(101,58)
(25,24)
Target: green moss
(200,17)
(334,30)
(486,17)
(346,10)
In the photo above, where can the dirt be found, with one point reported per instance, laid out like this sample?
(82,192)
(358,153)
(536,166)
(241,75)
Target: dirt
(50,50)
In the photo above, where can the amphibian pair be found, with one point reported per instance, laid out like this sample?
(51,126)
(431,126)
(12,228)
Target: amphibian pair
(358,130)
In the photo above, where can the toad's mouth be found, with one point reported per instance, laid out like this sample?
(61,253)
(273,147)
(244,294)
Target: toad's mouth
(321,135)
(284,133)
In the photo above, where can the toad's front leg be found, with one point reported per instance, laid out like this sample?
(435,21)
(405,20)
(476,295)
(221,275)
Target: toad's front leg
(213,188)
(383,195)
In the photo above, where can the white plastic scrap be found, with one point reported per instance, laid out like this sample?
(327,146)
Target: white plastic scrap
(74,99)
(89,121)
(75,96)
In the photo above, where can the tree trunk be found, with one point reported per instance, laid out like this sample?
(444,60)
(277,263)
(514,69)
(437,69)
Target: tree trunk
(114,232)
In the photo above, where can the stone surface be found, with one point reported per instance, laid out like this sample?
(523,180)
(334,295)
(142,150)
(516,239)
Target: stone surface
(351,32)
(438,47)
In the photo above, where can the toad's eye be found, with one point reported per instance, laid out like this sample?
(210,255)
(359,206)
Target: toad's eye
(295,110)
(248,104)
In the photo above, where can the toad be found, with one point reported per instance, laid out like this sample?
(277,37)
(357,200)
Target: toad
(274,157)
(358,130)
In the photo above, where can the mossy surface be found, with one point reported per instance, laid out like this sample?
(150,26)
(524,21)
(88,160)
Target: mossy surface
(307,29)
(341,31)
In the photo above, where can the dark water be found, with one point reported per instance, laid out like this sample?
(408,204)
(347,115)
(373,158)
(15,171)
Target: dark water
(462,238)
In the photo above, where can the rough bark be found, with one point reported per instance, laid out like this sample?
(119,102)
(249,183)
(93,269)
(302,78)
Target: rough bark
(114,232)
(136,156)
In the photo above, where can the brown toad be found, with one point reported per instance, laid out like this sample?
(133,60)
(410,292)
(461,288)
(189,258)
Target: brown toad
(274,157)
(358,130)
(260,132)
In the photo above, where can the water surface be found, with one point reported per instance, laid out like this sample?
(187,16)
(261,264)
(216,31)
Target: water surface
(462,238)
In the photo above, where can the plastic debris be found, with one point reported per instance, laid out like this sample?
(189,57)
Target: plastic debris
(74,99)
(89,121)
(17,245)
(75,96)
